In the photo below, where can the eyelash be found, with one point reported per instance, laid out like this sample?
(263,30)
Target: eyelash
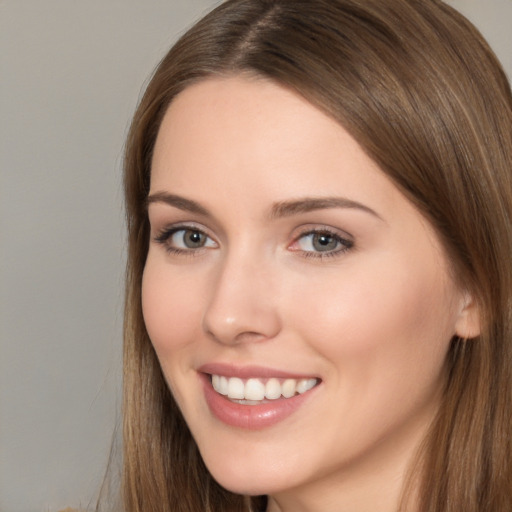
(165,235)
(346,245)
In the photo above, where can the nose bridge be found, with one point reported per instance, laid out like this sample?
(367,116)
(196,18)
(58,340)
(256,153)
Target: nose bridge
(241,305)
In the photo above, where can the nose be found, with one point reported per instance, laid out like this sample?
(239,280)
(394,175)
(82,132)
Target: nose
(242,305)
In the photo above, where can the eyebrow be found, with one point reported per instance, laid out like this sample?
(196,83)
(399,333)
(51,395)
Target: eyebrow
(308,204)
(178,202)
(278,210)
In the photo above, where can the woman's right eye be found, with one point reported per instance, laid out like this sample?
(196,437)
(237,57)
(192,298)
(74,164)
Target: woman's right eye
(180,240)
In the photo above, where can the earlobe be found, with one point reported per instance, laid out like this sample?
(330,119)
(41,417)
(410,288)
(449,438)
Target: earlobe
(468,322)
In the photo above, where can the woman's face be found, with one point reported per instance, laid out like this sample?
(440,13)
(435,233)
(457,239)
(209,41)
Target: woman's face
(287,268)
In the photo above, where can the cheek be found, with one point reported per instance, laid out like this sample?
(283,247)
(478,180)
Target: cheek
(172,314)
(375,319)
(385,344)
(170,308)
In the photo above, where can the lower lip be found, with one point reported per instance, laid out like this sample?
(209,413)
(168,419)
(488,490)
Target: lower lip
(250,417)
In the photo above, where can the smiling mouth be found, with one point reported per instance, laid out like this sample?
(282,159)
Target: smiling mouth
(256,391)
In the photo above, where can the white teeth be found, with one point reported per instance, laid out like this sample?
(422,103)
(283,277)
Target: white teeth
(255,390)
(236,388)
(223,385)
(272,389)
(220,384)
(289,387)
(305,385)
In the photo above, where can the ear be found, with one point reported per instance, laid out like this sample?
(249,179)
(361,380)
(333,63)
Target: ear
(468,322)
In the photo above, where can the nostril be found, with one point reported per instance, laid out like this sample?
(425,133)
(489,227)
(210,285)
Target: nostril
(239,338)
(250,324)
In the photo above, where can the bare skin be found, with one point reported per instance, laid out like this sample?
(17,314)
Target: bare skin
(277,242)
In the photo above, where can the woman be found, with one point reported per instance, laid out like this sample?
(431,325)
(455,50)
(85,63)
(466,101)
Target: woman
(318,311)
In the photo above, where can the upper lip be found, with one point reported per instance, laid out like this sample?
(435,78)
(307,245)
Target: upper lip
(246,372)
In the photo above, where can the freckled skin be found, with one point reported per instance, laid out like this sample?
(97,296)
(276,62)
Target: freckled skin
(373,321)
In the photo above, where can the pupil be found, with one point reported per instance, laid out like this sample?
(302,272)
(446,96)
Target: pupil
(324,242)
(194,239)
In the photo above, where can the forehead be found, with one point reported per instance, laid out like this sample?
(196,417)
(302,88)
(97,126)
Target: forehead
(243,112)
(234,128)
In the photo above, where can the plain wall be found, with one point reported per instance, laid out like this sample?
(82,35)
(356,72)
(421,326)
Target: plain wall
(70,76)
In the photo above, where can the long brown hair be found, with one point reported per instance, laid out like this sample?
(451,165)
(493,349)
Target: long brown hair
(419,89)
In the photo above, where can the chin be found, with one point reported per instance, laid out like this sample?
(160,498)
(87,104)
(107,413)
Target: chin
(246,477)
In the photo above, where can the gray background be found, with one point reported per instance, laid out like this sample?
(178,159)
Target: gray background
(70,76)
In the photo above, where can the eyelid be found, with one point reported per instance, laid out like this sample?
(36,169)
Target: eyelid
(176,226)
(304,229)
(164,234)
(346,239)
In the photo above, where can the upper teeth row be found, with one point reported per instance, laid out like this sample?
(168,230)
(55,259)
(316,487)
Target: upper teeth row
(255,389)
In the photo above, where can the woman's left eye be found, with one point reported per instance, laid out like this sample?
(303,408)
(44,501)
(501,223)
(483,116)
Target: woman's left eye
(321,243)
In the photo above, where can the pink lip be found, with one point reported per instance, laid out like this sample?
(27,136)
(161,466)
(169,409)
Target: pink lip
(250,417)
(246,372)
